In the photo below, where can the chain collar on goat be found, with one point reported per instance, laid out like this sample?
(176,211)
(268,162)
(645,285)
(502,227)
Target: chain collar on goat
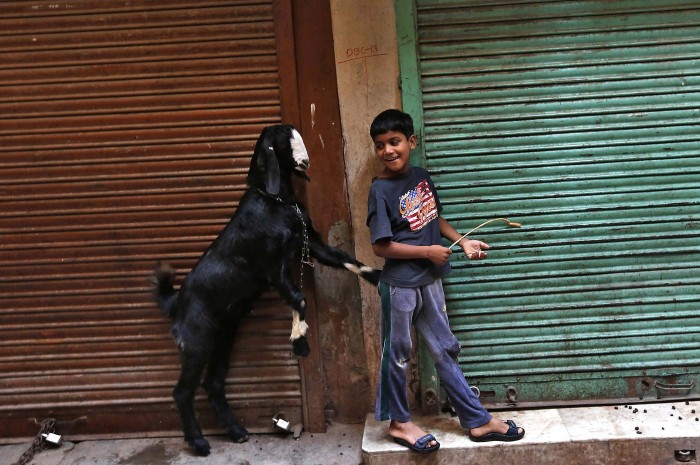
(305,251)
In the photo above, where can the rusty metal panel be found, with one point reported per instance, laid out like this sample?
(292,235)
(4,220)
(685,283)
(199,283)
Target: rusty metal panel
(580,120)
(126,130)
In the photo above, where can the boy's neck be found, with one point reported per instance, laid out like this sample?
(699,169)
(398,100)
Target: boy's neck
(387,174)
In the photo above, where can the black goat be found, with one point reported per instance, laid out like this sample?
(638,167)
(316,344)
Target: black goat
(255,250)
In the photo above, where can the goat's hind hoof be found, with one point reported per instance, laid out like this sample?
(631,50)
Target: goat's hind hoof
(300,347)
(201,446)
(239,435)
(241,440)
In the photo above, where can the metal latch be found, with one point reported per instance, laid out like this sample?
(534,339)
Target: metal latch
(512,395)
(673,389)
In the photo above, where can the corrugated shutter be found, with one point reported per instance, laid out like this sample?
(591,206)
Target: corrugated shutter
(579,119)
(126,130)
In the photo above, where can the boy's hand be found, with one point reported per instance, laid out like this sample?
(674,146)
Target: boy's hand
(473,249)
(438,254)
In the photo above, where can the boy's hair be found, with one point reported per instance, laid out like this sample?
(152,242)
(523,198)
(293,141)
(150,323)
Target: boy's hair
(392,120)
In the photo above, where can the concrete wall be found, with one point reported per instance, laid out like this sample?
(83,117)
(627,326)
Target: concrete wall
(367,68)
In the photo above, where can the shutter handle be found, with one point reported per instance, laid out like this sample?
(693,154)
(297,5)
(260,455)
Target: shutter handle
(673,389)
(512,395)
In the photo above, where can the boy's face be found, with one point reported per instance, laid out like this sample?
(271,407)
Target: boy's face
(394,151)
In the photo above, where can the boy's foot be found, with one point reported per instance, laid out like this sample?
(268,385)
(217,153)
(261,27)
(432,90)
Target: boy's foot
(409,435)
(497,430)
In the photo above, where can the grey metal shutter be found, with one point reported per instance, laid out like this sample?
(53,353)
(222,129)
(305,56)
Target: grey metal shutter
(126,129)
(579,119)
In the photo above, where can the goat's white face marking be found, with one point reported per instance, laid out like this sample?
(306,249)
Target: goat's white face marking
(301,156)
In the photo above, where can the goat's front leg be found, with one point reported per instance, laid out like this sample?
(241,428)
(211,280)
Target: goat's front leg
(294,297)
(337,258)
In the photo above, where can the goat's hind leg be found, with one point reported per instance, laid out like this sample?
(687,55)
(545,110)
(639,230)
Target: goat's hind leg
(193,363)
(215,384)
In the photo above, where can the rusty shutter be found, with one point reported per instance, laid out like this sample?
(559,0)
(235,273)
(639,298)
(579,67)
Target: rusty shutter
(126,129)
(580,120)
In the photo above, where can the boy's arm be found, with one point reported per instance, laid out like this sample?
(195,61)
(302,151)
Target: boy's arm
(447,231)
(473,249)
(387,248)
(438,254)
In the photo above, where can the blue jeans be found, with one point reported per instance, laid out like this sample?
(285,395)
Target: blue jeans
(425,308)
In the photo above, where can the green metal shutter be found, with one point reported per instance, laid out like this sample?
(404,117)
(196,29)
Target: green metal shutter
(579,119)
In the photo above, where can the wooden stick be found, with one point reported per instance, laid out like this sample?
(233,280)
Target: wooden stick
(508,222)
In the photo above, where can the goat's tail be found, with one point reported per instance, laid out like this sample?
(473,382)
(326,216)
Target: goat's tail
(163,289)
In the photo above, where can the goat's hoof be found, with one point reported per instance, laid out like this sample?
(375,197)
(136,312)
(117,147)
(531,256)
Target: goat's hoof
(300,347)
(201,447)
(238,434)
(372,276)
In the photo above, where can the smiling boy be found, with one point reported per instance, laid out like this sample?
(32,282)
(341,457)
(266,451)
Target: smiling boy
(406,230)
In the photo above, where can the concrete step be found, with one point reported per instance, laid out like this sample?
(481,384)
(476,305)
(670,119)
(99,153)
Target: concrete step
(659,434)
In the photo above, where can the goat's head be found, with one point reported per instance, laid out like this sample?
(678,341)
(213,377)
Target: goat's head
(279,152)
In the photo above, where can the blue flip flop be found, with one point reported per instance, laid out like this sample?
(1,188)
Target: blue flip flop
(511,435)
(421,445)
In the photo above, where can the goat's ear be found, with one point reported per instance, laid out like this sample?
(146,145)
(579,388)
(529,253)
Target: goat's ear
(267,163)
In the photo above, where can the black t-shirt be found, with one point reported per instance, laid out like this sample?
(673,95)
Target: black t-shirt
(405,210)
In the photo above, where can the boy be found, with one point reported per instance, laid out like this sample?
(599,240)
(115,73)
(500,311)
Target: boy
(406,229)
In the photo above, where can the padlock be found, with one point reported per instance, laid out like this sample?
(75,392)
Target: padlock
(281,424)
(53,439)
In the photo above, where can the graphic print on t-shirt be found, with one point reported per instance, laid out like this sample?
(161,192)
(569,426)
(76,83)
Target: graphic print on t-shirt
(418,206)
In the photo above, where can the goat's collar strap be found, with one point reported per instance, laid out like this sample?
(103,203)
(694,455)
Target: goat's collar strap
(275,197)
